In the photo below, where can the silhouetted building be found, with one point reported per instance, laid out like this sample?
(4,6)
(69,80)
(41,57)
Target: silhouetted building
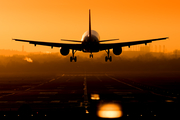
(164,49)
(155,48)
(159,48)
(23,48)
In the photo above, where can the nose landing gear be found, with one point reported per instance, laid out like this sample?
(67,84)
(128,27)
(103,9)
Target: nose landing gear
(73,57)
(108,57)
(91,55)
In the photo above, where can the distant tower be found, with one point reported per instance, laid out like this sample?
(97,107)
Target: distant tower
(151,48)
(159,48)
(164,50)
(23,48)
(155,48)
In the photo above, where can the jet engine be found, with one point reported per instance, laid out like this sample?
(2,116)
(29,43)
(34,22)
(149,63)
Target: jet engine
(64,51)
(117,50)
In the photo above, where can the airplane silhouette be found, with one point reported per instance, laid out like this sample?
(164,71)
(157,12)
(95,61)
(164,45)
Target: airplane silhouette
(90,43)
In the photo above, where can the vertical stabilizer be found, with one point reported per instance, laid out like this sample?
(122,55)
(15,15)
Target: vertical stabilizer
(89,23)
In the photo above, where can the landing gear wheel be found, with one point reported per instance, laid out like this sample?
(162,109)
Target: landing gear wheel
(91,55)
(75,59)
(106,58)
(110,58)
(71,59)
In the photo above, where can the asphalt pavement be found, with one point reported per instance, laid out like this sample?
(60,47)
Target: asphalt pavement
(89,96)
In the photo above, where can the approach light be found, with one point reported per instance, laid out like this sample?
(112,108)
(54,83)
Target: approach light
(110,110)
(95,97)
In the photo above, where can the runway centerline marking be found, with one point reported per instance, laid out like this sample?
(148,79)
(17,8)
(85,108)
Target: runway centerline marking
(85,90)
(124,82)
(85,94)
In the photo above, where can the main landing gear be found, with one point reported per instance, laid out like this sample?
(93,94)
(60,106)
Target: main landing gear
(73,57)
(108,57)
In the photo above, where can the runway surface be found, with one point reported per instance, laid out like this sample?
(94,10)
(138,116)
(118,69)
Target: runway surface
(81,95)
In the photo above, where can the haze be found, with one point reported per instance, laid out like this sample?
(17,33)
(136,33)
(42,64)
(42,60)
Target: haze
(51,21)
(129,61)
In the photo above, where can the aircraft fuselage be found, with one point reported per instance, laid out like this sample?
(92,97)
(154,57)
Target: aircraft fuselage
(90,43)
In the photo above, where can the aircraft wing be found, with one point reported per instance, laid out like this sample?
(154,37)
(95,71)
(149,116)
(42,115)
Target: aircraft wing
(123,44)
(51,44)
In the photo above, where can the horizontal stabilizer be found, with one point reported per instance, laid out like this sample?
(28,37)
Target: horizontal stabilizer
(70,40)
(108,40)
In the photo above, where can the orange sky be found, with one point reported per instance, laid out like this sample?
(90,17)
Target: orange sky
(53,20)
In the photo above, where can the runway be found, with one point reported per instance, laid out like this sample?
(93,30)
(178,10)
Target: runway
(81,95)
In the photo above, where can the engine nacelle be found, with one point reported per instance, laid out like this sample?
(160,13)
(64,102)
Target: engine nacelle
(64,51)
(117,50)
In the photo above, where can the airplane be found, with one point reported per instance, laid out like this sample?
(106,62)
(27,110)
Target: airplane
(90,43)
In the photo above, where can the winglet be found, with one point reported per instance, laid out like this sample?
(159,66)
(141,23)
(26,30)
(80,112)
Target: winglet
(89,23)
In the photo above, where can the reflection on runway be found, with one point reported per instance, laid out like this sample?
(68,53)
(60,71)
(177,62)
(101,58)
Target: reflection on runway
(89,95)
